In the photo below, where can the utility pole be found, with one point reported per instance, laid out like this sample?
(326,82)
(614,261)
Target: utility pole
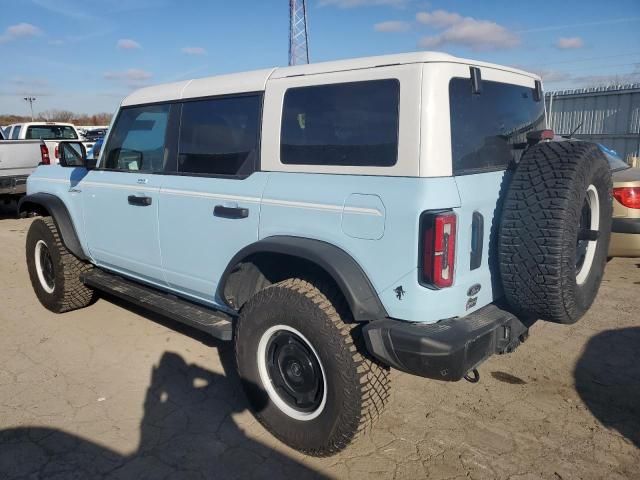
(298,37)
(30,100)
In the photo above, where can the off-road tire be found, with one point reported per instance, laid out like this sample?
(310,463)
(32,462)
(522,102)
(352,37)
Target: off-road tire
(69,293)
(357,387)
(539,230)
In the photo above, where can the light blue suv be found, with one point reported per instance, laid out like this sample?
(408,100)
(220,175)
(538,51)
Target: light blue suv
(332,220)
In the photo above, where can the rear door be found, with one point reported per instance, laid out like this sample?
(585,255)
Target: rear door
(121,197)
(210,203)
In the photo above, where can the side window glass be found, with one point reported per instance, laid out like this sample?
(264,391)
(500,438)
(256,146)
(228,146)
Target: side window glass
(342,124)
(219,136)
(16,132)
(138,139)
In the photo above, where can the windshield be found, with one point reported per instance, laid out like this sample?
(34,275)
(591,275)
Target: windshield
(51,132)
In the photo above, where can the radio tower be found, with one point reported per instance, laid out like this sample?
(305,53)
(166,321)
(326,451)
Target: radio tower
(298,38)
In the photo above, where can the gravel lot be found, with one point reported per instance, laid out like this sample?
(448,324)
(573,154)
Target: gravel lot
(113,391)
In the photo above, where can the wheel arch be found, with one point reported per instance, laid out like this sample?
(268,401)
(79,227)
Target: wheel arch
(46,204)
(261,263)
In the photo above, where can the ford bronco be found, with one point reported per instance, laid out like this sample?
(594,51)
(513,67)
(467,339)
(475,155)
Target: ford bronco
(333,220)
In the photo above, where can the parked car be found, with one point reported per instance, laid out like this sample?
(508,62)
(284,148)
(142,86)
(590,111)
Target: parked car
(17,160)
(625,229)
(93,153)
(50,132)
(332,220)
(93,135)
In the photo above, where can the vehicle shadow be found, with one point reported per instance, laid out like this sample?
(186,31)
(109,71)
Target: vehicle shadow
(607,378)
(186,432)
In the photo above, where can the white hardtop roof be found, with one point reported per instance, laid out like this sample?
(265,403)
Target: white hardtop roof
(256,80)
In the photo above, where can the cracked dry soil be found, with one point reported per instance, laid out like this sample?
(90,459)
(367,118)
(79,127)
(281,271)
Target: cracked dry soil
(111,391)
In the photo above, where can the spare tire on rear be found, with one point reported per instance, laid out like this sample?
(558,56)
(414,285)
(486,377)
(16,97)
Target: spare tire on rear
(554,231)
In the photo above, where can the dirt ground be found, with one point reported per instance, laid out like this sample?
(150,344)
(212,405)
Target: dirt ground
(111,391)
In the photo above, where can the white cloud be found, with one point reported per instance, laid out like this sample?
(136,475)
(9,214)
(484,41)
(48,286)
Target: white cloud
(134,77)
(553,76)
(466,31)
(392,26)
(439,18)
(20,86)
(128,44)
(363,3)
(565,43)
(20,30)
(194,51)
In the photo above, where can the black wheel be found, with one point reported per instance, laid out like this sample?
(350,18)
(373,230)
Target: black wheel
(302,369)
(54,271)
(554,232)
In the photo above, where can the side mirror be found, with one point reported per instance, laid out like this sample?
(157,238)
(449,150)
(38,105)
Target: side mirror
(72,154)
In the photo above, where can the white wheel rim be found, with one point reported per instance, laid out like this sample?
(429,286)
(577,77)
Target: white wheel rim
(594,206)
(39,268)
(268,385)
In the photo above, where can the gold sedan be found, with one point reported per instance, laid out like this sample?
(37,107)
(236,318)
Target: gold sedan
(625,229)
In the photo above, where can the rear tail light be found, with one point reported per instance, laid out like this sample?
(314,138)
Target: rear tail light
(44,155)
(539,136)
(56,152)
(628,196)
(438,249)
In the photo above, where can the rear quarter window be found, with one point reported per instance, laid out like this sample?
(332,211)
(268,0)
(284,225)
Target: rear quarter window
(346,124)
(489,129)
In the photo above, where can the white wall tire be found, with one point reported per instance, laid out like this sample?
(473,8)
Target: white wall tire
(267,381)
(354,388)
(44,266)
(592,202)
(54,271)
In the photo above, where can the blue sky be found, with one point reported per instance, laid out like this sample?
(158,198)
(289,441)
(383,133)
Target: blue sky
(86,55)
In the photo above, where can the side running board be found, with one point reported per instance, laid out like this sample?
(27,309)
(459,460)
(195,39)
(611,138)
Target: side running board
(213,322)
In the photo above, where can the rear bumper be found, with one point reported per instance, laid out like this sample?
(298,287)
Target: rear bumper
(13,185)
(446,350)
(625,225)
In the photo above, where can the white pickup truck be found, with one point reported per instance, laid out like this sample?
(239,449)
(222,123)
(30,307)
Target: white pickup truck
(50,132)
(18,158)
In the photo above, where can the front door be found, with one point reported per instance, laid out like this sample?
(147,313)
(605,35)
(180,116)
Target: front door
(122,195)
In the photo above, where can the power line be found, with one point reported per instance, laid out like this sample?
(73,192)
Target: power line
(587,24)
(589,59)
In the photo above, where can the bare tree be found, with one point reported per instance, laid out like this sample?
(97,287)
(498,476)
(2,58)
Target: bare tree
(102,118)
(57,115)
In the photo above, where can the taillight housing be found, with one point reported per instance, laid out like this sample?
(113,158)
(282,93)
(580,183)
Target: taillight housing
(628,196)
(56,152)
(44,155)
(438,249)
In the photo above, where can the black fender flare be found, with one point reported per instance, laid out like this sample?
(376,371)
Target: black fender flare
(56,208)
(346,272)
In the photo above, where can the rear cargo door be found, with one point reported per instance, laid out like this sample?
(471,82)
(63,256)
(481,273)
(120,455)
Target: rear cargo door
(488,137)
